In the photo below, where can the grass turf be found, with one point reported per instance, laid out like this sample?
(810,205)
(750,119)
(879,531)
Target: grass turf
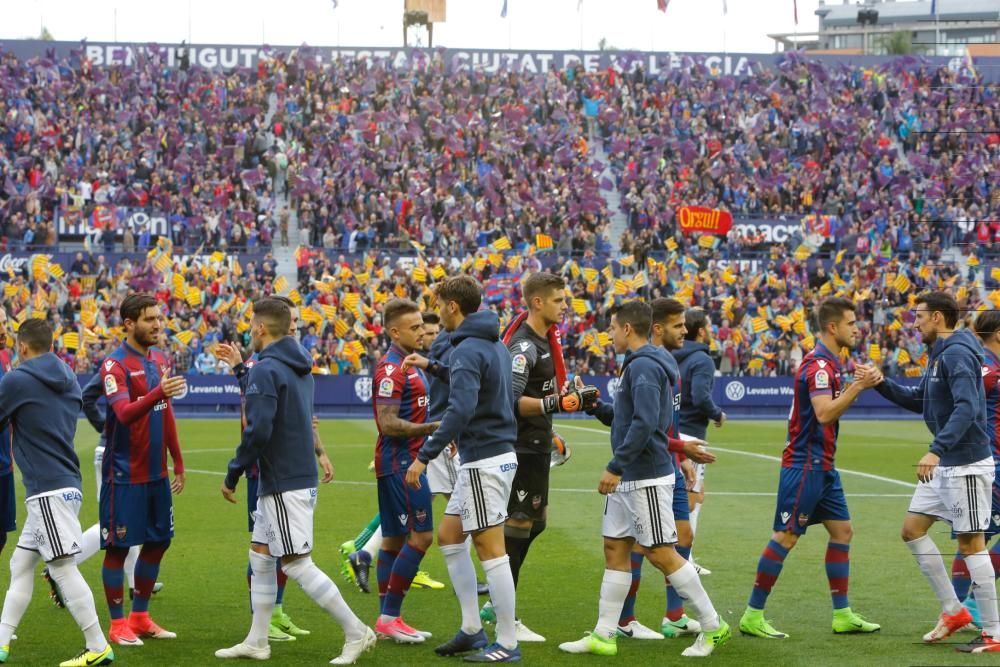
(205,597)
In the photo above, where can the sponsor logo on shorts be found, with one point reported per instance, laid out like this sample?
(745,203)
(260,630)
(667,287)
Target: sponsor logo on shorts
(403,518)
(521,495)
(957,511)
(785,516)
(39,538)
(70,496)
(507,467)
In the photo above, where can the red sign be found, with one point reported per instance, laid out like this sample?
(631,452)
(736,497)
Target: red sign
(704,220)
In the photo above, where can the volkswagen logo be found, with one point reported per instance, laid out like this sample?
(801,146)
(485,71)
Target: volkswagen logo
(735,391)
(363,388)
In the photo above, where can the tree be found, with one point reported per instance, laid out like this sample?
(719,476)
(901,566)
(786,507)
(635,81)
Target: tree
(898,43)
(45,35)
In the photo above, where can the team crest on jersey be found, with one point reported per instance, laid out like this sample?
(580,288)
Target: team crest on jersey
(519,363)
(420,516)
(803,519)
(121,532)
(363,388)
(822,380)
(110,385)
(385,388)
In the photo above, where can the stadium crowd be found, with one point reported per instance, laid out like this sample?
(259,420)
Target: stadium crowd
(495,172)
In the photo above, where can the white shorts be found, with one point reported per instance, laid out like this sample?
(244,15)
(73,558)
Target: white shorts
(442,473)
(645,514)
(98,462)
(960,495)
(284,522)
(482,492)
(53,524)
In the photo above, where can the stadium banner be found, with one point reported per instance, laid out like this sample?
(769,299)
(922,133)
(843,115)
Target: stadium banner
(72,224)
(773,230)
(19,262)
(352,395)
(235,56)
(704,220)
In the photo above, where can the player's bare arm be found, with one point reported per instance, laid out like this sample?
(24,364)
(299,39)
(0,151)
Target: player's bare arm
(391,425)
(829,410)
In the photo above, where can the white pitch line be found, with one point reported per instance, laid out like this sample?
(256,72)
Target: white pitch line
(768,457)
(767,494)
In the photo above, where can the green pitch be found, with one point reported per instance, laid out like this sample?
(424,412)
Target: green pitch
(205,598)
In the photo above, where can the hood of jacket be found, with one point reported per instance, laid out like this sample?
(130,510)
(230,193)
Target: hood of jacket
(289,352)
(484,324)
(689,348)
(658,355)
(51,371)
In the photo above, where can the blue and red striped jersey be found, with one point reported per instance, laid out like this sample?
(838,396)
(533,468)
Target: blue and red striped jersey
(810,445)
(6,441)
(991,382)
(408,390)
(136,453)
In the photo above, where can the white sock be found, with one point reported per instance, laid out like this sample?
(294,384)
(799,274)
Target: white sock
(462,572)
(91,543)
(687,583)
(985,589)
(932,565)
(79,601)
(373,544)
(325,593)
(263,590)
(614,590)
(22,582)
(501,582)
(693,518)
(133,556)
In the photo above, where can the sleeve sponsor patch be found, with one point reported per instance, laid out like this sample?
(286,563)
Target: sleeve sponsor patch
(386,387)
(822,380)
(520,363)
(110,385)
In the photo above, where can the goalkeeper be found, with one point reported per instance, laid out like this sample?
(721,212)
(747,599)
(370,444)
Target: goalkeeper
(539,389)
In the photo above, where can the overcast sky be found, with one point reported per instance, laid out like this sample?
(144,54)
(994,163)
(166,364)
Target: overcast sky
(688,25)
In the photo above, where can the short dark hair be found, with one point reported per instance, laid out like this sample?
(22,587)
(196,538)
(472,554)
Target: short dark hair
(36,334)
(637,314)
(275,315)
(134,304)
(941,302)
(987,323)
(662,308)
(285,300)
(540,283)
(430,317)
(463,290)
(832,309)
(397,307)
(695,319)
